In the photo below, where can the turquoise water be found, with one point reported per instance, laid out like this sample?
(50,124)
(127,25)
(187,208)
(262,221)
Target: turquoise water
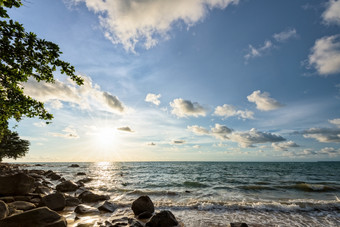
(216,193)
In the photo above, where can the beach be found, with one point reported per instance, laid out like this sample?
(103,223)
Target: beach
(200,193)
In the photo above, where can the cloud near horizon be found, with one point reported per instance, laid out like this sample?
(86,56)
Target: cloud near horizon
(186,108)
(88,96)
(226,111)
(323,135)
(284,146)
(263,101)
(144,23)
(69,133)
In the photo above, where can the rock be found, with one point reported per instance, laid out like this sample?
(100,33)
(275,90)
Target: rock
(22,198)
(85,180)
(18,184)
(54,201)
(43,190)
(142,204)
(145,215)
(85,225)
(107,207)
(37,165)
(90,197)
(36,201)
(7,199)
(81,174)
(41,216)
(22,205)
(67,186)
(134,223)
(74,165)
(3,210)
(84,209)
(35,175)
(164,219)
(238,224)
(72,201)
(37,171)
(54,176)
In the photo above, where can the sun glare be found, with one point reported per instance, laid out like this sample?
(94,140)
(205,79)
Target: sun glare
(105,137)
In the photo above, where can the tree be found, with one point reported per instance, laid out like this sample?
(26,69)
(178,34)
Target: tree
(11,146)
(24,56)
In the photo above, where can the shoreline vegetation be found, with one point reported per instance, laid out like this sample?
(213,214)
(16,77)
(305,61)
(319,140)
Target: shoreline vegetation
(28,198)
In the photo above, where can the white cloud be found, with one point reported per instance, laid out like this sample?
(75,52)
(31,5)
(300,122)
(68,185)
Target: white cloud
(87,96)
(125,129)
(56,104)
(324,135)
(248,139)
(40,124)
(285,35)
(258,52)
(332,12)
(226,111)
(69,133)
(153,98)
(145,22)
(284,146)
(196,146)
(263,101)
(185,108)
(219,131)
(335,121)
(325,55)
(198,130)
(331,151)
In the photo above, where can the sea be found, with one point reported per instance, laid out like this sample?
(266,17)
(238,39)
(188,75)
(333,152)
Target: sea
(211,194)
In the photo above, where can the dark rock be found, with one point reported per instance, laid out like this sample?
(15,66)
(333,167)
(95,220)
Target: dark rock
(22,205)
(43,190)
(145,215)
(18,184)
(35,175)
(22,198)
(48,172)
(134,223)
(54,201)
(119,224)
(37,171)
(142,204)
(85,180)
(7,199)
(85,225)
(67,186)
(3,210)
(36,201)
(41,216)
(37,165)
(164,219)
(72,201)
(81,174)
(90,197)
(84,209)
(74,165)
(54,176)
(107,207)
(187,191)
(238,224)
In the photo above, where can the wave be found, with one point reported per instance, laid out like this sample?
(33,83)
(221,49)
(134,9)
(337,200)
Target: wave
(311,187)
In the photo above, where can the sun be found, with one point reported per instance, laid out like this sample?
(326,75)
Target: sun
(104,137)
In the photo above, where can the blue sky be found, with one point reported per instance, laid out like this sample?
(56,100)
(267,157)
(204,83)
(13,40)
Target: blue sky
(208,80)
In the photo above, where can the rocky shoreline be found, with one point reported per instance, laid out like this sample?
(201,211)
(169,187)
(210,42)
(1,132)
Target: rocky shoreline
(28,198)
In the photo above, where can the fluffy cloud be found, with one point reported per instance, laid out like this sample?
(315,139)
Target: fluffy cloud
(332,12)
(125,129)
(284,146)
(263,101)
(219,131)
(226,111)
(324,135)
(145,22)
(185,108)
(153,98)
(285,35)
(258,52)
(69,133)
(248,139)
(335,121)
(198,130)
(86,96)
(329,151)
(325,55)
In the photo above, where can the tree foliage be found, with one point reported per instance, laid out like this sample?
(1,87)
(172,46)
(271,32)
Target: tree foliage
(11,146)
(22,56)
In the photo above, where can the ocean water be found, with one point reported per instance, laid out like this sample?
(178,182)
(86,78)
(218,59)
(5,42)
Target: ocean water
(217,193)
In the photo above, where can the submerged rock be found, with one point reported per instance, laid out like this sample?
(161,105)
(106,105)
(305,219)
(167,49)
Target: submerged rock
(18,184)
(142,204)
(81,174)
(74,165)
(22,205)
(238,224)
(42,216)
(90,197)
(67,186)
(84,209)
(164,218)
(3,210)
(54,201)
(107,207)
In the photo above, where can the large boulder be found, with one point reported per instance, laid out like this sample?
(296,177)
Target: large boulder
(18,184)
(90,197)
(3,210)
(67,186)
(107,207)
(41,216)
(54,201)
(72,201)
(85,210)
(22,205)
(164,218)
(74,165)
(142,204)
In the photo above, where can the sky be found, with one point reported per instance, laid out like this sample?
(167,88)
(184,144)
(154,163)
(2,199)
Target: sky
(194,80)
